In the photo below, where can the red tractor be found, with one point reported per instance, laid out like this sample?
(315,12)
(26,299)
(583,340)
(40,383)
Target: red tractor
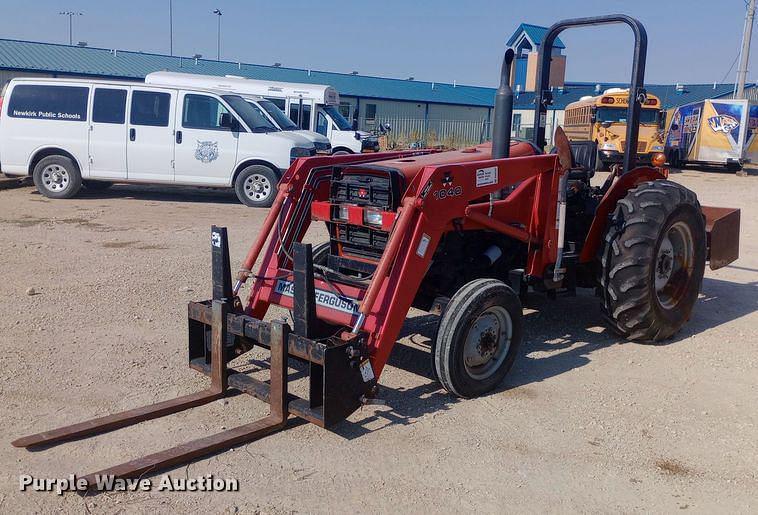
(463,234)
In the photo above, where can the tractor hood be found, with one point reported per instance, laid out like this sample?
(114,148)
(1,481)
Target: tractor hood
(410,166)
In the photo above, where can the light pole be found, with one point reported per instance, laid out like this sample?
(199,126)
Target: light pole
(70,15)
(745,52)
(218,13)
(170,29)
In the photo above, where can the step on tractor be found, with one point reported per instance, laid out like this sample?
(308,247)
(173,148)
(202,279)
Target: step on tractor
(463,234)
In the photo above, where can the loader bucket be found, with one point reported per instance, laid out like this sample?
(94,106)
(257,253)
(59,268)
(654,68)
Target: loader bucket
(722,226)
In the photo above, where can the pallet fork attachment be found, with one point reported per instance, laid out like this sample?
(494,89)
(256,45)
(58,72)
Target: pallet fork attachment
(335,386)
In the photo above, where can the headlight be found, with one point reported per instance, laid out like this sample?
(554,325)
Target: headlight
(342,213)
(372,217)
(657,148)
(608,146)
(301,152)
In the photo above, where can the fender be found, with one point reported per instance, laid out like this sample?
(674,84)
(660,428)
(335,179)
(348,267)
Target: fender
(608,203)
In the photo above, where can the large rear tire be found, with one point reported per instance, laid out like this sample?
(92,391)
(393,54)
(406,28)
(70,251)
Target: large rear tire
(478,338)
(653,261)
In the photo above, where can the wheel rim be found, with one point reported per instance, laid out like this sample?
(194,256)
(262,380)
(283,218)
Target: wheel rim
(55,178)
(674,264)
(487,342)
(257,187)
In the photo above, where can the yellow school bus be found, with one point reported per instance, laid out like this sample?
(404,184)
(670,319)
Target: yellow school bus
(602,119)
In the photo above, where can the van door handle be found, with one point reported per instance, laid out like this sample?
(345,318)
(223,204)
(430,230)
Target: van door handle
(178,136)
(132,134)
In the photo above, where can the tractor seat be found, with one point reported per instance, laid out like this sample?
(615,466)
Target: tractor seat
(583,158)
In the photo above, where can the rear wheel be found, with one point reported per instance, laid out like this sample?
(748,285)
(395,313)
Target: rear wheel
(255,186)
(57,177)
(478,338)
(653,261)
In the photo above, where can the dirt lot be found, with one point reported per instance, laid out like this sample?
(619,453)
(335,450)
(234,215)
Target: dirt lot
(585,421)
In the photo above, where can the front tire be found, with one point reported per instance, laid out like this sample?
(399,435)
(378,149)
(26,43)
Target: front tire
(57,177)
(255,186)
(653,261)
(478,338)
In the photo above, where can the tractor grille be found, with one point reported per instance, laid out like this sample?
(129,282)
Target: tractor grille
(360,241)
(380,188)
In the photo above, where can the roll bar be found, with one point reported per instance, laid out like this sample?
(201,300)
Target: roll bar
(637,93)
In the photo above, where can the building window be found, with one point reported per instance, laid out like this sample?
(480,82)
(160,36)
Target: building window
(345,109)
(109,106)
(150,108)
(370,111)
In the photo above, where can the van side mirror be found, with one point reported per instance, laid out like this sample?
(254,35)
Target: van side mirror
(229,122)
(355,124)
(593,118)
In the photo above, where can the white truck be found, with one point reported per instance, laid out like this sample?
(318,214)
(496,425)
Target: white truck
(69,133)
(313,107)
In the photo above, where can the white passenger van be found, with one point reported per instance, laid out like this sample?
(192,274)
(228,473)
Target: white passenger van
(317,103)
(72,132)
(267,108)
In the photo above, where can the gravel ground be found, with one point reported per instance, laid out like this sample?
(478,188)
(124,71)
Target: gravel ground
(92,317)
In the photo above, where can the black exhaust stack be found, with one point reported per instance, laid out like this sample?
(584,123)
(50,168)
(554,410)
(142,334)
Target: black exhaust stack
(501,128)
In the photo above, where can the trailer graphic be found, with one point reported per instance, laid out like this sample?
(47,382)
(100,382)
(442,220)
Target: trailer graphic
(713,132)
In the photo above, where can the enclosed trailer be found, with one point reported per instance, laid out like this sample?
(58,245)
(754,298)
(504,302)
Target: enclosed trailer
(720,132)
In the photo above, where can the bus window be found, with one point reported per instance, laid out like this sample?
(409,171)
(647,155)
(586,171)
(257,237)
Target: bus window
(618,115)
(278,102)
(295,111)
(322,124)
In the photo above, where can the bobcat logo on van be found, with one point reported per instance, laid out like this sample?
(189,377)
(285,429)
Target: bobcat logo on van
(723,123)
(206,151)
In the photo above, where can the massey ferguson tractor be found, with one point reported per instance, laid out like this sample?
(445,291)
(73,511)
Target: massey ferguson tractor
(463,234)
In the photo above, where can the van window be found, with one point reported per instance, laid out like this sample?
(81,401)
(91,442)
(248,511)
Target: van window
(109,106)
(295,110)
(203,112)
(67,103)
(321,124)
(278,102)
(150,108)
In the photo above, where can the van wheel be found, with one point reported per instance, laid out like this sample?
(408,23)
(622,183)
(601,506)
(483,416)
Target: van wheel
(57,177)
(478,338)
(340,153)
(256,186)
(97,185)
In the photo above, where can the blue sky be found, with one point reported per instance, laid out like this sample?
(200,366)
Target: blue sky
(463,40)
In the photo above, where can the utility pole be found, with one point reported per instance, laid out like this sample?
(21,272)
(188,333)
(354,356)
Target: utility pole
(70,15)
(747,34)
(218,13)
(170,29)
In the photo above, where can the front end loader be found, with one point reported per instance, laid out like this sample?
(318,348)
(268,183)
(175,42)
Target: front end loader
(464,234)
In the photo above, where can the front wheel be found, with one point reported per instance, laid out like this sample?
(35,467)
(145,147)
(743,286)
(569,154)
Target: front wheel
(57,177)
(478,338)
(653,261)
(255,186)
